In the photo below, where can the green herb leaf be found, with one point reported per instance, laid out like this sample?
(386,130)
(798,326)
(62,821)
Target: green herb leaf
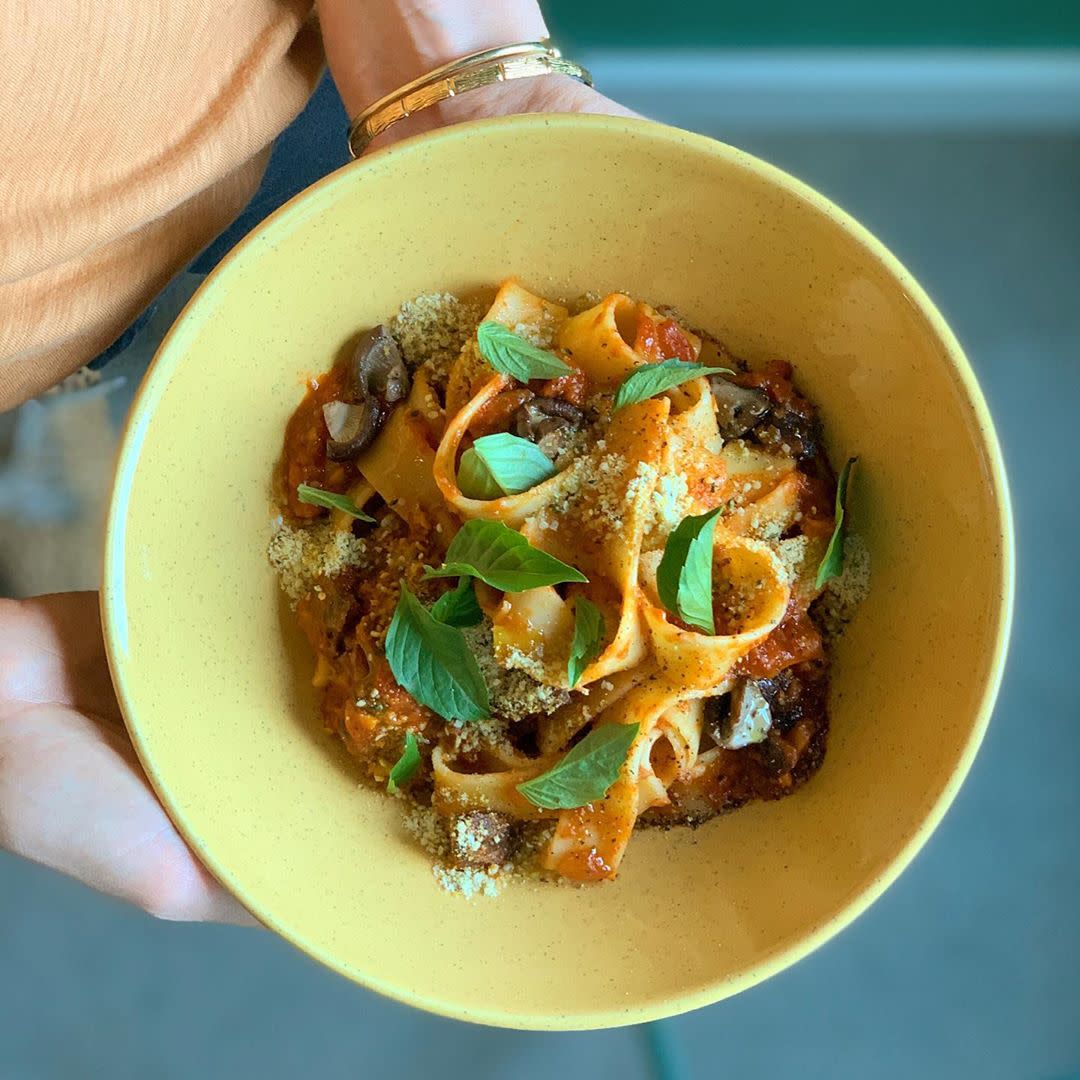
(514,464)
(458,607)
(331,501)
(684,576)
(648,380)
(505,351)
(474,478)
(432,662)
(588,633)
(503,558)
(586,773)
(832,565)
(405,766)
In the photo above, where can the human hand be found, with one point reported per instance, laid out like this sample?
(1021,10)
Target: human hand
(375,46)
(72,795)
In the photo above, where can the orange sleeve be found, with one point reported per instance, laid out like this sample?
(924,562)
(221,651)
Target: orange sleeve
(132,133)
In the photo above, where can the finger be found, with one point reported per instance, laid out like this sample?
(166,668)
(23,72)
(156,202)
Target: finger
(52,650)
(73,798)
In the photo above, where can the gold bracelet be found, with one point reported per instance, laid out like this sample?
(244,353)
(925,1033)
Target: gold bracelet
(525,60)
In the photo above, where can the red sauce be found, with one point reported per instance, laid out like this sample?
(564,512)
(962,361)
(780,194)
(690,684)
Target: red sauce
(570,387)
(663,340)
(794,640)
(816,499)
(495,414)
(774,378)
(305,445)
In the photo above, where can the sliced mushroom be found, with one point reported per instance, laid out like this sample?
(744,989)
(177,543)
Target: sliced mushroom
(548,422)
(784,693)
(481,838)
(351,427)
(378,379)
(379,368)
(738,408)
(746,720)
(789,431)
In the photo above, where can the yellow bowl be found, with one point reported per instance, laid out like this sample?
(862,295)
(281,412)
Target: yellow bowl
(213,681)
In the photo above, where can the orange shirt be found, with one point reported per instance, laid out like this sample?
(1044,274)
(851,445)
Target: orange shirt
(131,133)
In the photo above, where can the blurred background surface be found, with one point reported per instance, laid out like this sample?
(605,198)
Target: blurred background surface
(953,132)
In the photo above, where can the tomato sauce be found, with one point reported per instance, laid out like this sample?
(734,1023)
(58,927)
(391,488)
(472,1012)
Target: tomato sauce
(663,340)
(796,639)
(571,387)
(497,412)
(305,445)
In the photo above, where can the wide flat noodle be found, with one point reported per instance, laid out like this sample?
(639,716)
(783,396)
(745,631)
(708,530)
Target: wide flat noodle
(516,308)
(399,465)
(512,510)
(601,528)
(589,842)
(755,584)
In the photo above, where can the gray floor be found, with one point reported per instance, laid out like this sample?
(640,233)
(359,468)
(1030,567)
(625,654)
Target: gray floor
(968,967)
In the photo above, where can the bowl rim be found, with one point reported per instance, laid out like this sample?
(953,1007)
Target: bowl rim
(112,590)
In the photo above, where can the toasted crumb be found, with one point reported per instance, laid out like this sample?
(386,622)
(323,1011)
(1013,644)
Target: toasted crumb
(669,504)
(429,829)
(432,329)
(513,693)
(844,594)
(303,554)
(469,881)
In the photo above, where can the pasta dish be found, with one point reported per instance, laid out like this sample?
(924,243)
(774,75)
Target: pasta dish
(564,569)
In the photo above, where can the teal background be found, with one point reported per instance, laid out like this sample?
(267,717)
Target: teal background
(704,23)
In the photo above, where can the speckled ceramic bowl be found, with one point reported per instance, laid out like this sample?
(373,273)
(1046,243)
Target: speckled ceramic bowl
(213,680)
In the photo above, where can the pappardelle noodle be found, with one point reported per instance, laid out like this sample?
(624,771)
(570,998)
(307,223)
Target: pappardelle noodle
(560,567)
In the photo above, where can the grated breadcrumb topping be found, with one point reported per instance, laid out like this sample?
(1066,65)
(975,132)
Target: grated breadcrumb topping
(843,594)
(303,554)
(513,692)
(433,329)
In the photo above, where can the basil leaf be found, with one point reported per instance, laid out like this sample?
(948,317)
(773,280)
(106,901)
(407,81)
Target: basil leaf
(588,633)
(432,662)
(502,464)
(330,500)
(832,564)
(502,558)
(514,464)
(505,351)
(474,478)
(648,380)
(458,607)
(586,773)
(405,766)
(684,576)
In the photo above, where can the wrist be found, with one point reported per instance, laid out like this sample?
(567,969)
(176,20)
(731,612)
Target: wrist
(373,48)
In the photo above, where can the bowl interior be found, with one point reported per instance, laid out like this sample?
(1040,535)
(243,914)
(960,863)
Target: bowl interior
(214,681)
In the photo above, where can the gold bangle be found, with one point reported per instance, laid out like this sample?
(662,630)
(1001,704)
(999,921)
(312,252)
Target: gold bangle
(525,60)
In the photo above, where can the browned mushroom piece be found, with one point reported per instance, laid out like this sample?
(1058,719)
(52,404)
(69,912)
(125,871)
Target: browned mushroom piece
(351,427)
(785,694)
(379,368)
(789,431)
(377,380)
(740,718)
(548,422)
(738,408)
(482,838)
